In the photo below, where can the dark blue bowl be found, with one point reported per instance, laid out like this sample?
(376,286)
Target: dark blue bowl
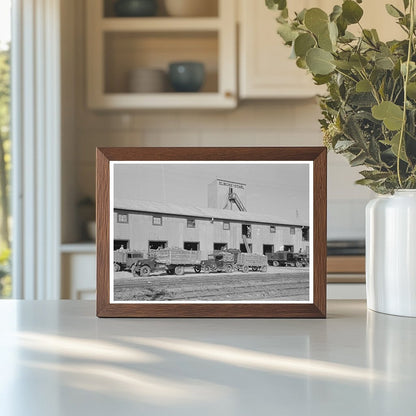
(186,76)
(135,8)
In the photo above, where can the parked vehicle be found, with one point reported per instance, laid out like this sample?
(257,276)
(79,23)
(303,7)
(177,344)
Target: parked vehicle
(219,261)
(287,258)
(171,260)
(251,261)
(124,259)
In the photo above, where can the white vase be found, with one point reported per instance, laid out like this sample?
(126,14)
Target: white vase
(391,253)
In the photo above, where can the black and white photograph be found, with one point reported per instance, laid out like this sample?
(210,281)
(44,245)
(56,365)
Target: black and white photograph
(211,232)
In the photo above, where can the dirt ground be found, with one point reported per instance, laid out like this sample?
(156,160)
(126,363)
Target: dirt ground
(279,283)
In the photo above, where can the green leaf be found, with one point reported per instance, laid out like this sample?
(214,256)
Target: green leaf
(301,15)
(358,160)
(319,61)
(363,86)
(351,11)
(276,4)
(358,61)
(301,63)
(303,43)
(287,33)
(325,42)
(336,12)
(394,145)
(384,62)
(411,90)
(393,11)
(321,79)
(344,65)
(316,20)
(388,112)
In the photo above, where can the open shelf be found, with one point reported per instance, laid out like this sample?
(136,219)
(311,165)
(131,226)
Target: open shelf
(160,24)
(119,45)
(210,9)
(126,51)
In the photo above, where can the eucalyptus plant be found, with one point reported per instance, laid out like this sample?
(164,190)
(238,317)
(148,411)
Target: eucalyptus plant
(369,111)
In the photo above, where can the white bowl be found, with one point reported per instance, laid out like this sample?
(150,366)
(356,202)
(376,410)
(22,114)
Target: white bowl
(147,80)
(191,8)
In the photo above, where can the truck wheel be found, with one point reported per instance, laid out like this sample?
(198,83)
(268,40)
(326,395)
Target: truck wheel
(276,263)
(134,271)
(229,268)
(197,269)
(144,271)
(245,269)
(116,267)
(263,269)
(179,270)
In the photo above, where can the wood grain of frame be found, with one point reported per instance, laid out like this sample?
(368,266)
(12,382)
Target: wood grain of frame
(317,309)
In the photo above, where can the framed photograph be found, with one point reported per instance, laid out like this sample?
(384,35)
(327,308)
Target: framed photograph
(211,232)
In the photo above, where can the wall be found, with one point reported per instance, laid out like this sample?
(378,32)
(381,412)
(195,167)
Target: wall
(254,123)
(174,230)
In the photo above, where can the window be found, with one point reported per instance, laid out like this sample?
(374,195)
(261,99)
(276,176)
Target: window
(190,223)
(226,226)
(155,245)
(157,221)
(5,147)
(121,244)
(243,248)
(292,230)
(272,228)
(191,245)
(246,230)
(123,218)
(305,233)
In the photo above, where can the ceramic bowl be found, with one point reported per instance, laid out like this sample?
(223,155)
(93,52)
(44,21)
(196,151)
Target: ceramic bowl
(135,8)
(186,76)
(147,80)
(191,8)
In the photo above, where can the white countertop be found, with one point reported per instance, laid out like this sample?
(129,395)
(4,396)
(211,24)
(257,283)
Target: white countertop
(57,358)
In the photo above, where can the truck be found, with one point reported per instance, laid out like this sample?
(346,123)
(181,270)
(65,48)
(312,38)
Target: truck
(219,261)
(171,260)
(124,259)
(251,261)
(287,258)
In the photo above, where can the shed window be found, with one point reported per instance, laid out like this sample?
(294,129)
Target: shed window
(226,226)
(272,228)
(123,218)
(292,230)
(157,221)
(190,223)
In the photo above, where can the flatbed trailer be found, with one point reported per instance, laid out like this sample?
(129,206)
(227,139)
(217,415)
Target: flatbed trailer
(251,261)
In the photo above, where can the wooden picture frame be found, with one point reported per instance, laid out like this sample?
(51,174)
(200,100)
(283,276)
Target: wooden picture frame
(315,157)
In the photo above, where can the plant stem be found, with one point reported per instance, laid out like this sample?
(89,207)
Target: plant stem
(406,80)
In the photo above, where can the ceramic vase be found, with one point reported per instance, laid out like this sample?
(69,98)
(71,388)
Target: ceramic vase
(391,253)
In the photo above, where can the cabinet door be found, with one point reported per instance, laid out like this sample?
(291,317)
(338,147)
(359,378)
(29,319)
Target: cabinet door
(265,68)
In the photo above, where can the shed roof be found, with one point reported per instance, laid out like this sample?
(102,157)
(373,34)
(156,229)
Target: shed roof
(198,212)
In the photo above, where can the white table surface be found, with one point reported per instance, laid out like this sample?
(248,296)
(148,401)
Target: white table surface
(57,358)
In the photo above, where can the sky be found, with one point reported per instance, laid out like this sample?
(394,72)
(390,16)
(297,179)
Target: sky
(5,19)
(273,189)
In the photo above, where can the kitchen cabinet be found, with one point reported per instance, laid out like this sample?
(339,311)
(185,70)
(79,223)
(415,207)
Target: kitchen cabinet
(118,45)
(265,70)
